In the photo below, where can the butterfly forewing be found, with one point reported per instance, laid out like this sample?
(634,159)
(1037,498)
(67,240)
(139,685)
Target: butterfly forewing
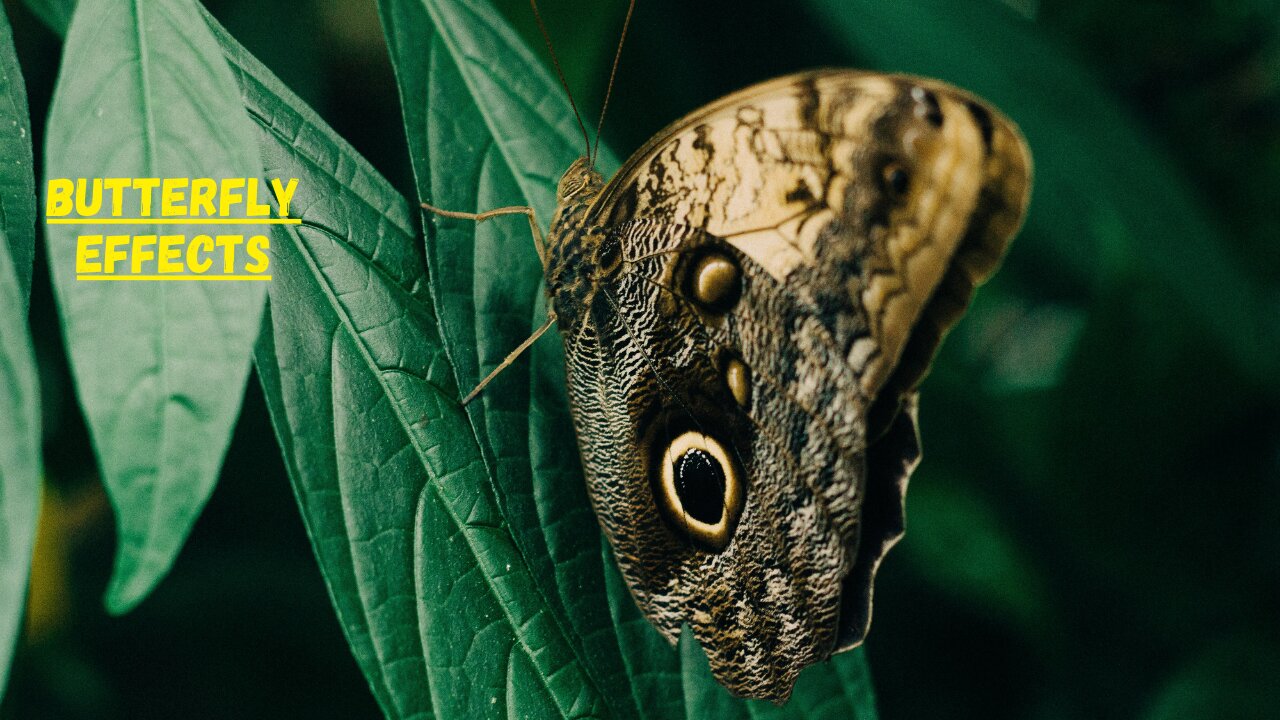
(745,307)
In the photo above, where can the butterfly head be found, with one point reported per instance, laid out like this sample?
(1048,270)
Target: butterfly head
(580,182)
(580,185)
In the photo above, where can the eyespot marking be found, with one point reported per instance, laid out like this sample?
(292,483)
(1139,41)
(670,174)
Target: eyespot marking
(716,282)
(738,377)
(699,490)
(700,485)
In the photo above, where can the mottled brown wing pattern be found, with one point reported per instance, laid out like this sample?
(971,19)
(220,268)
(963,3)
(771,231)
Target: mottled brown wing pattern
(745,308)
(770,599)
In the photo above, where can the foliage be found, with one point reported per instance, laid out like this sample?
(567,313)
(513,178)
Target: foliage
(1092,533)
(160,367)
(19,401)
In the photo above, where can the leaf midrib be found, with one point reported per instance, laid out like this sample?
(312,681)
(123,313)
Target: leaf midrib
(151,164)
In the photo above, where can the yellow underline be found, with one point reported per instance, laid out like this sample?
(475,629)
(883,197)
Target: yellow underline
(171,278)
(173,221)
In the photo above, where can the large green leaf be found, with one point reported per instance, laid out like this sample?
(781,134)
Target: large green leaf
(55,13)
(1106,200)
(19,454)
(438,604)
(17,174)
(159,366)
(355,229)
(488,127)
(19,387)
(281,116)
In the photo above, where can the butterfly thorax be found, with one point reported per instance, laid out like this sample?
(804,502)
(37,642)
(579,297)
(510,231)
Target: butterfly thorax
(577,251)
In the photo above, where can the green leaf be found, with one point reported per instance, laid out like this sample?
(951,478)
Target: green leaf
(1232,676)
(54,13)
(19,454)
(17,174)
(288,129)
(356,227)
(20,465)
(965,548)
(439,606)
(488,127)
(159,366)
(1105,196)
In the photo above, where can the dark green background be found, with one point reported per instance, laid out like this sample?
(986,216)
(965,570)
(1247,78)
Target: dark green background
(1094,533)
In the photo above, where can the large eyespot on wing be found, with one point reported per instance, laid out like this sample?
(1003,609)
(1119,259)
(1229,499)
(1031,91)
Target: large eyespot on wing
(698,487)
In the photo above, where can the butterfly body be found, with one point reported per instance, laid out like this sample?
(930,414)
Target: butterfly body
(747,309)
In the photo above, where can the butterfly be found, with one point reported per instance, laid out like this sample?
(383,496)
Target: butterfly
(748,308)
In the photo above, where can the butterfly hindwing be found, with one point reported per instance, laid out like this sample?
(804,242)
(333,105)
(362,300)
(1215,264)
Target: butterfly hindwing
(665,364)
(747,308)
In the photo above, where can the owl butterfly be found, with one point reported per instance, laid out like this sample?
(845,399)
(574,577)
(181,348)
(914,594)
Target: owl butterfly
(747,309)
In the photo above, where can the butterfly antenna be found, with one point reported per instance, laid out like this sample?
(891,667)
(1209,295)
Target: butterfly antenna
(595,151)
(560,73)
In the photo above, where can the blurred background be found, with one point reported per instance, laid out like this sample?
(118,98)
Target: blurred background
(1095,530)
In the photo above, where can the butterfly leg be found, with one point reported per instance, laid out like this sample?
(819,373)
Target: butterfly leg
(538,242)
(511,357)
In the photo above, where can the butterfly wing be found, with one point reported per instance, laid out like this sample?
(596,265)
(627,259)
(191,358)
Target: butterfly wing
(747,309)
